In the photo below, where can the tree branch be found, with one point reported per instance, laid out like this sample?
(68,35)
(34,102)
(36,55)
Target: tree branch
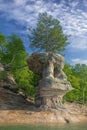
(11,61)
(14,67)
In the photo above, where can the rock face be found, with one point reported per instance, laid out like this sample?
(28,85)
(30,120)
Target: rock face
(53,85)
(6,80)
(11,98)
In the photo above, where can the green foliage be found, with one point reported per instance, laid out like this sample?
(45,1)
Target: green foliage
(12,53)
(48,35)
(77,75)
(24,80)
(81,72)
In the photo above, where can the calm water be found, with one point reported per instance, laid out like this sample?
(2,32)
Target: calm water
(43,127)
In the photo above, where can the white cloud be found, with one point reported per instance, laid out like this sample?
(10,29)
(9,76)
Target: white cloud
(79,42)
(19,10)
(73,19)
(79,61)
(74,3)
(18,3)
(85,3)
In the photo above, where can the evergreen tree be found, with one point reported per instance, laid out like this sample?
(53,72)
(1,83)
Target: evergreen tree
(48,35)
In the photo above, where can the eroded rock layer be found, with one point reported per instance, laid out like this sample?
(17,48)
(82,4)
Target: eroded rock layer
(53,84)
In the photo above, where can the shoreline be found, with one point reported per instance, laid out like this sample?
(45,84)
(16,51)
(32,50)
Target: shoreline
(44,118)
(14,109)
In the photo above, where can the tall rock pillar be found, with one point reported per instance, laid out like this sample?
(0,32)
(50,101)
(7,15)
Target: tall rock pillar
(53,84)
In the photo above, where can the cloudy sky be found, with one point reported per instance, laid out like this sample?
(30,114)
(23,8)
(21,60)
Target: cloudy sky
(16,16)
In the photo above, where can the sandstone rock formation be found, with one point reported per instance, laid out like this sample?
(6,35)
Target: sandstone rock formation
(53,84)
(6,80)
(11,98)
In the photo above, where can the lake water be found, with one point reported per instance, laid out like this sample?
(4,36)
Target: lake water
(44,127)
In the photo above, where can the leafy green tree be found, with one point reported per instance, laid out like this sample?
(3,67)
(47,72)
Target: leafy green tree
(48,35)
(77,75)
(80,70)
(14,50)
(74,95)
(74,80)
(13,55)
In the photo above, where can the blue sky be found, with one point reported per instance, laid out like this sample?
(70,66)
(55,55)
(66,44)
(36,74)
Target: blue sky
(16,16)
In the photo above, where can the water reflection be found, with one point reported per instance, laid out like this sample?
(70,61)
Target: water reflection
(45,127)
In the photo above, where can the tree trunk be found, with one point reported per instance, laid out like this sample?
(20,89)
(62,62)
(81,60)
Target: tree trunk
(83,96)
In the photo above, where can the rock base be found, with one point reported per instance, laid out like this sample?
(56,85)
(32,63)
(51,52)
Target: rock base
(49,103)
